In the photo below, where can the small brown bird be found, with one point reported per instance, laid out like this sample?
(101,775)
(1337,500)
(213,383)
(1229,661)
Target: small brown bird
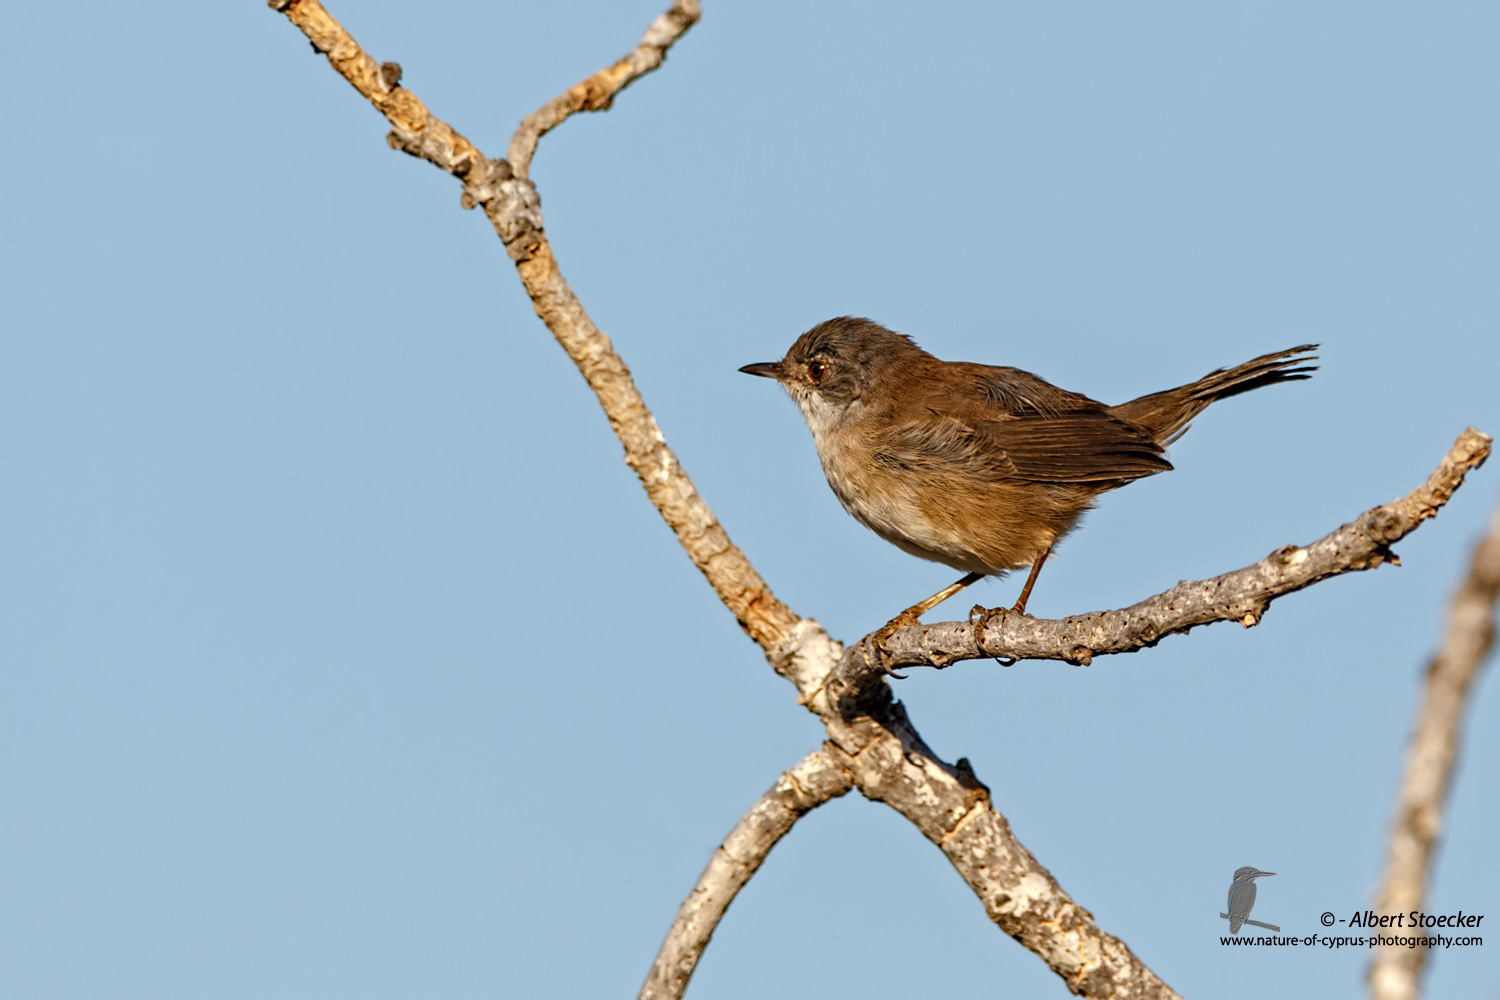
(974,466)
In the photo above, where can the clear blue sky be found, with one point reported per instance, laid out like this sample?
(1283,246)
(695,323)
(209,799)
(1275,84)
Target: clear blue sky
(342,656)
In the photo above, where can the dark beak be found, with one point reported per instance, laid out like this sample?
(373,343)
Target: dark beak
(765,369)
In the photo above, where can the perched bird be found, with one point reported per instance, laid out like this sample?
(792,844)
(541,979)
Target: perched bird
(1242,896)
(978,467)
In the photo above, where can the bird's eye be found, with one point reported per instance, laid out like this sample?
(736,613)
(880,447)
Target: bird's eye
(816,370)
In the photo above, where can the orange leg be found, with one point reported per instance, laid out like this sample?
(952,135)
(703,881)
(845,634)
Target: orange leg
(1036,569)
(913,615)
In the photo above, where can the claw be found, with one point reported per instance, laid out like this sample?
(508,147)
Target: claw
(877,640)
(980,618)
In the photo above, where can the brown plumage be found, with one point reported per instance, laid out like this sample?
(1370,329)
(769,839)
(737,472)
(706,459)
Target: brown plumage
(979,467)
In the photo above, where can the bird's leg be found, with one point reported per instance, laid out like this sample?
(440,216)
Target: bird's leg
(913,615)
(1036,569)
(979,616)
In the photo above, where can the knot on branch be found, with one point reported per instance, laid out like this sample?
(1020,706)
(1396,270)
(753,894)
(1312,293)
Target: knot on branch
(516,210)
(1080,656)
(482,181)
(1381,526)
(1290,555)
(977,790)
(941,658)
(406,142)
(1384,525)
(597,93)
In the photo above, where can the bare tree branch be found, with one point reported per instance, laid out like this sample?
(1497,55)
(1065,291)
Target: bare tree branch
(514,210)
(598,91)
(888,761)
(413,127)
(1241,596)
(1395,973)
(820,776)
(952,808)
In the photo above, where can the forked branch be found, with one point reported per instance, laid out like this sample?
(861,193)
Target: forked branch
(510,201)
(879,750)
(598,92)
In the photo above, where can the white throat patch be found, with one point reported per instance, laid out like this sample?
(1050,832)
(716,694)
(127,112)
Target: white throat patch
(822,416)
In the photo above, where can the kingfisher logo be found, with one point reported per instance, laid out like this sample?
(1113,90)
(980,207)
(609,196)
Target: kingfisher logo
(1242,892)
(1242,899)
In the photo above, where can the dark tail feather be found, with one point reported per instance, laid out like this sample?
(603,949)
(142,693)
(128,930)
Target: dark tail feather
(1167,414)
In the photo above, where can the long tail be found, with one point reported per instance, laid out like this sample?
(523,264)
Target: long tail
(1167,414)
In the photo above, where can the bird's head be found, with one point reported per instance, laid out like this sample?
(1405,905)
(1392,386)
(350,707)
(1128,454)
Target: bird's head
(832,367)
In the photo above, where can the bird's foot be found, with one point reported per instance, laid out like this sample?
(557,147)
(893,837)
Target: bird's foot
(980,618)
(876,640)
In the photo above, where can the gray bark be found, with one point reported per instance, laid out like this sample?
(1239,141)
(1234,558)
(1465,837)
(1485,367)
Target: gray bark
(869,733)
(1395,973)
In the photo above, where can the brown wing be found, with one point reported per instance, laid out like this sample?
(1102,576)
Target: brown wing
(1010,390)
(1002,423)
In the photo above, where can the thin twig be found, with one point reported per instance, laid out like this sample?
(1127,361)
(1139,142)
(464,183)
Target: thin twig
(888,760)
(1395,972)
(413,128)
(820,776)
(598,91)
(1241,596)
(514,210)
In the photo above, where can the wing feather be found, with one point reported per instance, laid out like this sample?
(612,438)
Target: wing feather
(1003,423)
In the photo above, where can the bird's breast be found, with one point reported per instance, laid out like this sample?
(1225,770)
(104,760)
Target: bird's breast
(977,524)
(892,502)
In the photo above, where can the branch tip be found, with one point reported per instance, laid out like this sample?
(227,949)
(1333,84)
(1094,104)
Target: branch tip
(597,92)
